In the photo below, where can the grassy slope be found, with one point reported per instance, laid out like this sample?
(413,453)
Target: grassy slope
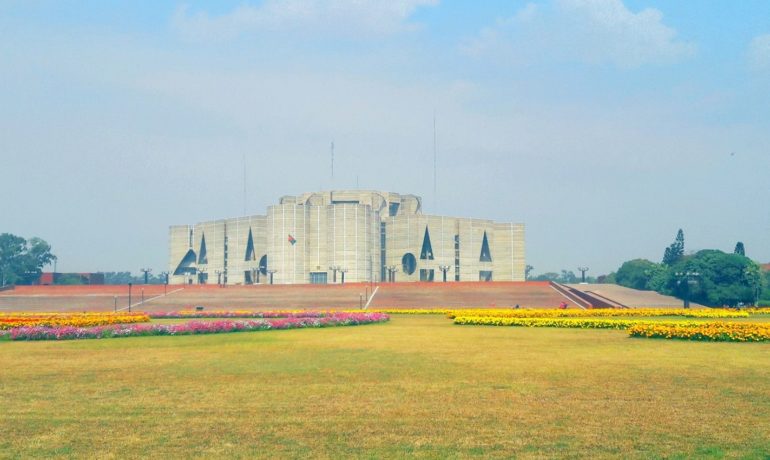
(418,385)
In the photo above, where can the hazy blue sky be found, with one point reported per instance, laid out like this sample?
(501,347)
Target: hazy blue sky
(604,125)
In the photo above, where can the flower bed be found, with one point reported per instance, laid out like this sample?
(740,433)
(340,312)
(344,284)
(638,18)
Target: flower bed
(184,314)
(687,330)
(635,312)
(717,332)
(414,311)
(453,312)
(581,323)
(189,328)
(15,320)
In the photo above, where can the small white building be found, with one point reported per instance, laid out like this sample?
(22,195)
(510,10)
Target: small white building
(345,236)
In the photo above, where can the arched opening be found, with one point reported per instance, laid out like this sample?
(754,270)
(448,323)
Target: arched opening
(263,265)
(408,263)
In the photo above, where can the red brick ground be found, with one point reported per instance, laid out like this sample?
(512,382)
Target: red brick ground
(398,295)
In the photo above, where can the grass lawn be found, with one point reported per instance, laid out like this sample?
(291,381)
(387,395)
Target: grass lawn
(415,386)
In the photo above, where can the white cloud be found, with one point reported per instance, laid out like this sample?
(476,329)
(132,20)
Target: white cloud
(759,52)
(493,37)
(338,16)
(591,31)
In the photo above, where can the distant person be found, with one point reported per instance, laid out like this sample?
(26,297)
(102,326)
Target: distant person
(563,306)
(517,306)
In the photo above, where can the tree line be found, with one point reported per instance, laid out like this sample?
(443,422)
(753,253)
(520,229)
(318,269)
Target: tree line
(709,277)
(22,262)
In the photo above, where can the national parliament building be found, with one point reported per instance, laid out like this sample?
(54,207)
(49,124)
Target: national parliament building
(345,236)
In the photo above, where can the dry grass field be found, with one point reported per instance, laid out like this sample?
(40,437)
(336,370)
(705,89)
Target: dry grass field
(417,386)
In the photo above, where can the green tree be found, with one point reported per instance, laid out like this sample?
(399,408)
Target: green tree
(69,279)
(118,277)
(127,277)
(658,278)
(739,249)
(765,288)
(675,251)
(22,261)
(527,271)
(610,278)
(568,276)
(548,276)
(639,274)
(722,279)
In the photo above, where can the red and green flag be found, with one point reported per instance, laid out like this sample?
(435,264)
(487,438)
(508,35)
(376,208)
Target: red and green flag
(292,240)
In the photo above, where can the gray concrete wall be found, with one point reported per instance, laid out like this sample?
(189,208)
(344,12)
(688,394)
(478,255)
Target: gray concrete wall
(342,229)
(179,245)
(238,237)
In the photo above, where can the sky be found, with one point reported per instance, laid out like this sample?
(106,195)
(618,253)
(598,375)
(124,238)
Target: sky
(603,125)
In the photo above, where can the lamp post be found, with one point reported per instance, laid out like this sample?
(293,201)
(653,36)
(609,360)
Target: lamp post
(219,277)
(146,272)
(444,269)
(129,296)
(165,282)
(343,271)
(582,271)
(392,273)
(262,269)
(688,278)
(271,272)
(334,269)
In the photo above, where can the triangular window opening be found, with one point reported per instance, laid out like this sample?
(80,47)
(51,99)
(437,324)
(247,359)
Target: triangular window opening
(485,256)
(427,250)
(250,255)
(202,257)
(186,265)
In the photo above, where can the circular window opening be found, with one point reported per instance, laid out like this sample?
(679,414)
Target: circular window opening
(409,263)
(263,265)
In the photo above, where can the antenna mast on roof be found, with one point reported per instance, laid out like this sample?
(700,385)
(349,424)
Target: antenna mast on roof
(435,156)
(244,182)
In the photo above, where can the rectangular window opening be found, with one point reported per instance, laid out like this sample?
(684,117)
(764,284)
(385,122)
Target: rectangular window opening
(485,275)
(318,277)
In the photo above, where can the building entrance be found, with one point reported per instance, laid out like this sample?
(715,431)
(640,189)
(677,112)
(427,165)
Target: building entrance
(318,277)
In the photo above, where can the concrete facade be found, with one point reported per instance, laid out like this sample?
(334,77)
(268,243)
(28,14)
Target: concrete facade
(355,235)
